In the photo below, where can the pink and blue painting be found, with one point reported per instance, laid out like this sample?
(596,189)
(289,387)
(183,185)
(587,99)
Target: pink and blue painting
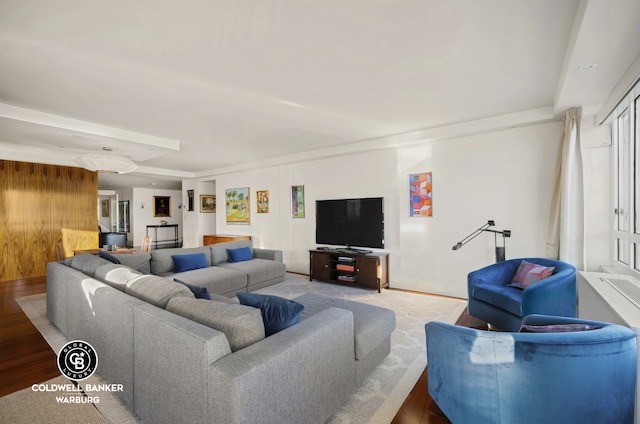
(421,194)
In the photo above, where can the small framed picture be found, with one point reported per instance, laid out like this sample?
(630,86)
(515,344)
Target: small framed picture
(105,208)
(297,201)
(208,203)
(262,198)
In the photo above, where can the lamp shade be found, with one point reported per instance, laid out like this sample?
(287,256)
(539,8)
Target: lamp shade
(106,162)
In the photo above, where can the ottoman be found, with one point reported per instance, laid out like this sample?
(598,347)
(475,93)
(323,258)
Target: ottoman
(372,326)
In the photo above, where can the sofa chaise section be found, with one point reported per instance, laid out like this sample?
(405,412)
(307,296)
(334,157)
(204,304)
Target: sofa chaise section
(302,374)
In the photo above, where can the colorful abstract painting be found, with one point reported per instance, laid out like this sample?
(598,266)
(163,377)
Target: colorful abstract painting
(262,197)
(237,205)
(421,194)
(297,201)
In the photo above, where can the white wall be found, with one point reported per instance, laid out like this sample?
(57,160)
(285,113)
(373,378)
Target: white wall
(505,175)
(195,223)
(143,216)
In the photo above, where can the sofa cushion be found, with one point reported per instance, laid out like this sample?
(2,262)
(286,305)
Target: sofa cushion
(156,290)
(240,254)
(372,324)
(182,263)
(162,259)
(529,273)
(258,270)
(108,256)
(116,275)
(277,313)
(138,261)
(241,324)
(198,292)
(219,251)
(86,263)
(505,298)
(219,280)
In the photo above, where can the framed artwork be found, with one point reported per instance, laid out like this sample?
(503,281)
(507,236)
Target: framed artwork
(105,208)
(421,195)
(262,201)
(237,206)
(123,216)
(161,206)
(190,201)
(297,201)
(208,203)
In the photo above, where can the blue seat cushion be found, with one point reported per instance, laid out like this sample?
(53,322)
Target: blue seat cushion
(503,297)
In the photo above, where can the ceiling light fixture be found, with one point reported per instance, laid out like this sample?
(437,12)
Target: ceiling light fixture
(106,162)
(588,66)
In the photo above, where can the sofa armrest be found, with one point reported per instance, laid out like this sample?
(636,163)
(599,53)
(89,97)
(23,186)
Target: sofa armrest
(301,374)
(271,254)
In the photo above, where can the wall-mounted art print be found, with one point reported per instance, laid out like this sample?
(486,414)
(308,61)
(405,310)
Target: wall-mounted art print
(421,194)
(123,216)
(262,198)
(208,203)
(161,206)
(105,208)
(297,201)
(237,206)
(190,200)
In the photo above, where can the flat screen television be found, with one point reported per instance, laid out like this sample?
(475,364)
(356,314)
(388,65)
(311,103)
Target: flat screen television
(350,222)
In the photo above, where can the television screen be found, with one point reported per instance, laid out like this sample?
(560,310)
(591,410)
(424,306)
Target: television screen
(350,222)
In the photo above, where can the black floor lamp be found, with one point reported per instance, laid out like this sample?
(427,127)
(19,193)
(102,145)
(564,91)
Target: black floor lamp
(500,250)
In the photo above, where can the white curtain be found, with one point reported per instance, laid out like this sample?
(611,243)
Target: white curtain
(565,233)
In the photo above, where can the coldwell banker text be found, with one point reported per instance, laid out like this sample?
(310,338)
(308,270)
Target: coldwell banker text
(76,394)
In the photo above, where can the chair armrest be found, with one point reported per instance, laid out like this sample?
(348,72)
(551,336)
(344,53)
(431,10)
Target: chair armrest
(555,295)
(498,274)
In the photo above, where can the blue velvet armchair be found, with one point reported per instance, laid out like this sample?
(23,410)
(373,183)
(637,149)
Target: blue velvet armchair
(477,376)
(492,301)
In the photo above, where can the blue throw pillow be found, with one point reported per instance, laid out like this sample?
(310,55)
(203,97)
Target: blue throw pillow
(198,292)
(277,313)
(182,263)
(240,254)
(109,257)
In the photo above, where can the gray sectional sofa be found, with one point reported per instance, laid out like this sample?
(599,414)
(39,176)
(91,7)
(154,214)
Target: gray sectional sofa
(182,359)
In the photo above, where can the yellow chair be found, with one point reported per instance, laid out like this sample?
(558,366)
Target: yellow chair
(73,240)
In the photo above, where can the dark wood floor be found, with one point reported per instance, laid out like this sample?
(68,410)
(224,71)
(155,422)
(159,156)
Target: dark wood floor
(26,358)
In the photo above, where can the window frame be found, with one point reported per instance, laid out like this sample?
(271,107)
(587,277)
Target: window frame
(625,238)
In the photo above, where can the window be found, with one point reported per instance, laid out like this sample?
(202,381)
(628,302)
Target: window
(626,216)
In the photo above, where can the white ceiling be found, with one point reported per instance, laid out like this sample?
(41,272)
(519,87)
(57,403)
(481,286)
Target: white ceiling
(244,81)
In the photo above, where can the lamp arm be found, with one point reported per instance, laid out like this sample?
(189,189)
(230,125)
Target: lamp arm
(473,235)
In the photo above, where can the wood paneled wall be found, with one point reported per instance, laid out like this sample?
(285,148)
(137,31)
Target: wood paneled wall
(36,202)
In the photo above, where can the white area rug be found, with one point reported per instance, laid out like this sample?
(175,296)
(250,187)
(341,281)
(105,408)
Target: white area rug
(381,394)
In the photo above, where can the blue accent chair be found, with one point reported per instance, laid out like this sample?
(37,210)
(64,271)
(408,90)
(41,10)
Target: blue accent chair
(478,376)
(504,307)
